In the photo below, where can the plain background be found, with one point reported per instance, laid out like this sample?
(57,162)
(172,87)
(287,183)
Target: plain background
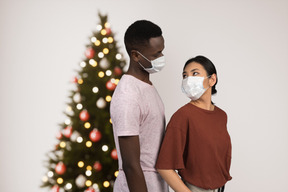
(42,43)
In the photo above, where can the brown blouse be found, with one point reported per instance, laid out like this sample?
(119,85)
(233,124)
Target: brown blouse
(198,145)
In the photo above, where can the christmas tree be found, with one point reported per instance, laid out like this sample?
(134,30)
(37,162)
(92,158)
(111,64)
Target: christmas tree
(85,158)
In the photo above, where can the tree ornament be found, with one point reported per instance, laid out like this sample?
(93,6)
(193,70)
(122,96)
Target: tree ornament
(75,80)
(90,189)
(97,166)
(108,31)
(59,135)
(60,168)
(89,53)
(77,98)
(110,86)
(114,154)
(104,63)
(67,132)
(84,115)
(118,71)
(95,135)
(55,188)
(80,181)
(101,103)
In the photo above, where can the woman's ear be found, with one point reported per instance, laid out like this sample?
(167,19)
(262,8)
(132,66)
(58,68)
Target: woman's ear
(135,56)
(212,80)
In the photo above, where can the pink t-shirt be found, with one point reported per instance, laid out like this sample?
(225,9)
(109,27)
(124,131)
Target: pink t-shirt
(137,109)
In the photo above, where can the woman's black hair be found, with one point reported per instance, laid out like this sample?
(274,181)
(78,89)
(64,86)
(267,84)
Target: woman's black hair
(139,33)
(208,66)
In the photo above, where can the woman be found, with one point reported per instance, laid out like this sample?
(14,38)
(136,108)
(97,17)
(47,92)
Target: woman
(196,142)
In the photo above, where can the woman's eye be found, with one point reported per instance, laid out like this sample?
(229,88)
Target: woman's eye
(195,73)
(184,76)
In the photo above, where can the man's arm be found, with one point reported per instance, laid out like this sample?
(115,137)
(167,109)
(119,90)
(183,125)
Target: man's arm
(130,153)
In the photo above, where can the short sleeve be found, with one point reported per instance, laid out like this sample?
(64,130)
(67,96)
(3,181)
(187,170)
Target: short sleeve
(173,146)
(125,115)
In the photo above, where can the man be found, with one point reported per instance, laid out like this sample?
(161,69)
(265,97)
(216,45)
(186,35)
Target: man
(137,112)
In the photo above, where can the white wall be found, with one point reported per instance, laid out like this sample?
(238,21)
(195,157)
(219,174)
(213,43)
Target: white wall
(42,42)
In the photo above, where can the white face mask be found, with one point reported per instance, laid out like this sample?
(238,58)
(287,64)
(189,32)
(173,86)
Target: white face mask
(192,86)
(157,64)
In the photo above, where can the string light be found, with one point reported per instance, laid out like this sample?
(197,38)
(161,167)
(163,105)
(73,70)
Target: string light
(79,139)
(87,125)
(68,186)
(44,179)
(89,167)
(105,40)
(88,183)
(116,173)
(118,56)
(93,39)
(50,174)
(88,173)
(59,180)
(100,55)
(67,121)
(101,74)
(105,148)
(97,43)
(110,120)
(116,81)
(62,144)
(110,39)
(80,164)
(108,73)
(106,51)
(93,63)
(108,98)
(99,27)
(80,81)
(88,144)
(95,89)
(103,32)
(106,184)
(79,106)
(107,25)
(83,64)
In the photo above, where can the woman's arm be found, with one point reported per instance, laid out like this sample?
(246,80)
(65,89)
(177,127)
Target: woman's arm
(173,180)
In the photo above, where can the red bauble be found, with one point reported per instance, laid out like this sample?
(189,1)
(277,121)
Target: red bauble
(110,86)
(90,189)
(59,135)
(118,71)
(55,188)
(60,168)
(108,31)
(114,154)
(95,135)
(75,80)
(89,53)
(67,132)
(84,115)
(97,166)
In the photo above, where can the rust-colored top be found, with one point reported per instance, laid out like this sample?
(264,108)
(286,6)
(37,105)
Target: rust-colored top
(198,145)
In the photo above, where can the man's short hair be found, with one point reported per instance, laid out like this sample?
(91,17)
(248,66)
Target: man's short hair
(138,34)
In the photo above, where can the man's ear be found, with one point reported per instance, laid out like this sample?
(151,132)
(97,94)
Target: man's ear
(135,56)
(212,79)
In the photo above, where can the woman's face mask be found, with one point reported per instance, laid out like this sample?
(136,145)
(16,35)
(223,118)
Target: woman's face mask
(192,86)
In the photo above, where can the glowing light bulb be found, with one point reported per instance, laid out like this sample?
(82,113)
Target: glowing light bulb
(99,27)
(105,50)
(105,148)
(95,89)
(83,64)
(59,180)
(62,144)
(97,43)
(108,73)
(116,81)
(107,25)
(116,173)
(88,144)
(88,173)
(93,63)
(93,39)
(89,167)
(118,56)
(106,184)
(108,98)
(87,125)
(110,39)
(44,179)
(100,55)
(88,183)
(110,120)
(68,186)
(80,81)
(101,74)
(79,106)
(79,139)
(103,32)
(80,164)
(105,40)
(67,121)
(50,174)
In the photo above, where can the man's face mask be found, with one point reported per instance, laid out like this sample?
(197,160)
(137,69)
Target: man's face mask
(157,64)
